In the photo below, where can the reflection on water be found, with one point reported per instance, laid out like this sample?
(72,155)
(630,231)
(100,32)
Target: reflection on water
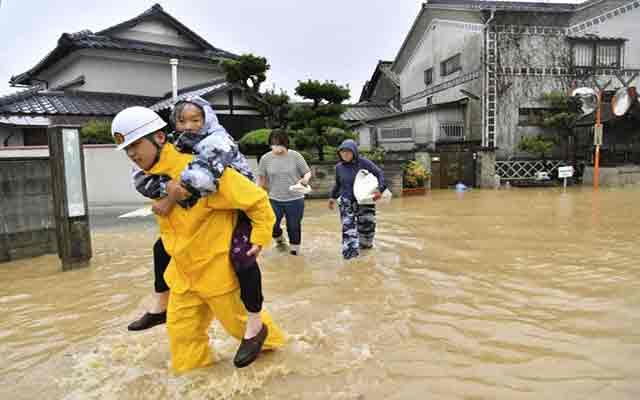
(519,294)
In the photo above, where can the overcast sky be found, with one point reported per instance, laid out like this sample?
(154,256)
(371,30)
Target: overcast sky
(340,40)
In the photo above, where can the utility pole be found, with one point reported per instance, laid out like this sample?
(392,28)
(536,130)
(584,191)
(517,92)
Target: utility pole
(598,133)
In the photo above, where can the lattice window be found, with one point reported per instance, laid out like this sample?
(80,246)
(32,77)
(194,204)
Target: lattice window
(597,53)
(396,134)
(452,131)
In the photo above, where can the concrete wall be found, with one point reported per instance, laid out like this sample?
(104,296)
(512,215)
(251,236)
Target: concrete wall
(27,226)
(323,178)
(108,172)
(614,176)
(110,71)
(486,169)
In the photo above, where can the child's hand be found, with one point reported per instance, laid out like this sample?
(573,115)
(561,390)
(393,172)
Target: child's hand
(176,191)
(254,250)
(332,204)
(163,206)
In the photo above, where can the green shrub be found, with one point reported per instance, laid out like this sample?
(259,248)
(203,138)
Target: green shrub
(536,145)
(96,132)
(255,143)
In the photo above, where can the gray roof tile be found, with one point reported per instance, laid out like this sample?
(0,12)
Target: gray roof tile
(365,111)
(503,5)
(42,102)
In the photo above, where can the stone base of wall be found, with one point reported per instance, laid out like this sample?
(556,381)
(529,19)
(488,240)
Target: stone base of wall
(27,244)
(323,176)
(614,176)
(486,169)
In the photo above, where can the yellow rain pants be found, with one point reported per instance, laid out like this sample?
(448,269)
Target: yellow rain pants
(200,275)
(189,317)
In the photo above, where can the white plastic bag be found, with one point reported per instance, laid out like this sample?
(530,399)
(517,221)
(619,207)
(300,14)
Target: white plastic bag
(386,196)
(300,188)
(364,186)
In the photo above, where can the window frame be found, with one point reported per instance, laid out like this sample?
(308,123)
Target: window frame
(428,76)
(595,45)
(443,65)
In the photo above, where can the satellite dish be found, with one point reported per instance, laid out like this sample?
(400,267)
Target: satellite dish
(621,102)
(588,99)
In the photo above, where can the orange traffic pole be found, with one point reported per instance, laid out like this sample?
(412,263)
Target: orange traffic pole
(596,169)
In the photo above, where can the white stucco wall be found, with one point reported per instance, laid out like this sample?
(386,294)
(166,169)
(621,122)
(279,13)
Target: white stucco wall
(155,32)
(442,40)
(363,134)
(239,100)
(110,71)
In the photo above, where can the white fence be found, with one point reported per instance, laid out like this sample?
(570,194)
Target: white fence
(521,170)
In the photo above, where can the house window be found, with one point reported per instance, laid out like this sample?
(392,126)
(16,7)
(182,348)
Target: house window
(450,65)
(396,134)
(35,136)
(428,76)
(429,100)
(597,53)
(452,131)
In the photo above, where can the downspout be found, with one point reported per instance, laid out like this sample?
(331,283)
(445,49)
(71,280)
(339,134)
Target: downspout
(174,79)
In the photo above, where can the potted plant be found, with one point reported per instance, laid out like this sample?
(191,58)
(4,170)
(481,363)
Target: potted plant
(414,178)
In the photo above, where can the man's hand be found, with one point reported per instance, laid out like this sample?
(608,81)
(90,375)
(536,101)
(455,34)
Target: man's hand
(332,204)
(176,191)
(254,250)
(163,206)
(376,196)
(304,182)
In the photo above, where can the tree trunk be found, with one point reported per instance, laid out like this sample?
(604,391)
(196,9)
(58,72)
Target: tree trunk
(320,153)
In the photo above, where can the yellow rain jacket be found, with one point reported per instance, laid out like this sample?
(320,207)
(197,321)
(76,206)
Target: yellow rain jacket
(198,239)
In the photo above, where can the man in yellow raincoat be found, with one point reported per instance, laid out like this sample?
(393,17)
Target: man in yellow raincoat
(202,280)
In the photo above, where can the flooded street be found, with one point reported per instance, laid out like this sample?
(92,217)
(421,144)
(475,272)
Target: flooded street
(515,294)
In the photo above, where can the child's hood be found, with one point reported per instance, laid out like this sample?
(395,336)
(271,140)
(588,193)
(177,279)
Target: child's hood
(211,124)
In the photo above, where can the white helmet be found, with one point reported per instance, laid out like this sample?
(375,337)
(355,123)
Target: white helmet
(133,123)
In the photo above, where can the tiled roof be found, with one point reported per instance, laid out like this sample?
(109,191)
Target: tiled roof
(200,90)
(157,13)
(503,5)
(429,108)
(597,8)
(104,40)
(365,111)
(88,40)
(382,68)
(43,102)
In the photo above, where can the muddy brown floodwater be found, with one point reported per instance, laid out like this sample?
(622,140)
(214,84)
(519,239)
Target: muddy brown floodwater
(515,294)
